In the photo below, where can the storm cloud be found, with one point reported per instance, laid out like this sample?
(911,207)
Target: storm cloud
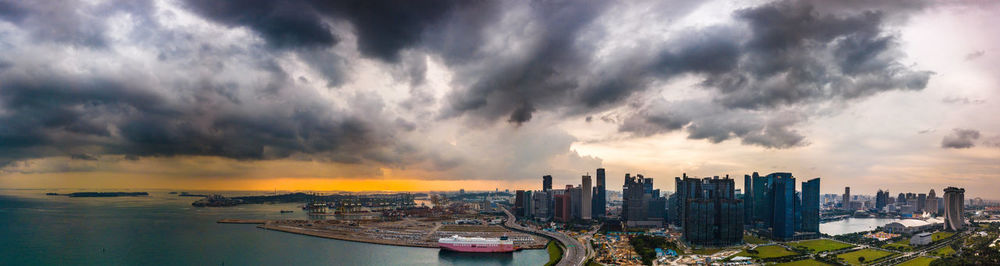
(262,80)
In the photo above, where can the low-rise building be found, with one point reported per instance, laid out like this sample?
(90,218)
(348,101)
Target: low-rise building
(920,239)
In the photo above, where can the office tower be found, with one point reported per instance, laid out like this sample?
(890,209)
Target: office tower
(747,199)
(636,202)
(519,203)
(712,215)
(954,207)
(563,205)
(921,202)
(540,204)
(784,206)
(901,199)
(763,199)
(931,206)
(600,203)
(810,205)
(575,196)
(529,205)
(846,202)
(798,211)
(879,199)
(546,182)
(586,198)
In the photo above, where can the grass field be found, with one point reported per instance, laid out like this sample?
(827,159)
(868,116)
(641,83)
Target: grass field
(900,245)
(555,253)
(945,251)
(941,235)
(767,252)
(809,262)
(921,261)
(869,254)
(705,251)
(820,245)
(750,239)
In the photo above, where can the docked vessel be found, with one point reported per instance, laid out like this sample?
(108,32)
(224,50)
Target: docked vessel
(476,244)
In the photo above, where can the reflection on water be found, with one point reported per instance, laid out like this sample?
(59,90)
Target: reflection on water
(853,225)
(453,257)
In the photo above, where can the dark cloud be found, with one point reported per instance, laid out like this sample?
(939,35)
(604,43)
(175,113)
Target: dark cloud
(777,54)
(383,28)
(798,55)
(51,114)
(716,124)
(960,139)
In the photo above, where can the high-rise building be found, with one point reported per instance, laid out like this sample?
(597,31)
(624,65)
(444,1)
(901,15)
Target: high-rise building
(921,202)
(879,199)
(519,203)
(586,198)
(575,196)
(546,182)
(540,204)
(763,199)
(846,202)
(810,205)
(748,198)
(600,203)
(784,206)
(529,204)
(931,206)
(636,202)
(711,213)
(563,205)
(954,207)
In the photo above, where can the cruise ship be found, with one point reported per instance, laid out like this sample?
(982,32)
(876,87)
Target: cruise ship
(476,244)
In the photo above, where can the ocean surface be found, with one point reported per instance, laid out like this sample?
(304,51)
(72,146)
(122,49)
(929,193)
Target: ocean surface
(164,229)
(853,225)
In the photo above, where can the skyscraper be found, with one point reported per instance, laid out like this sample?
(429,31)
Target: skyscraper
(954,207)
(931,206)
(921,202)
(562,208)
(810,205)
(711,213)
(546,182)
(847,198)
(586,198)
(784,206)
(600,205)
(747,199)
(879,199)
(519,203)
(763,199)
(636,202)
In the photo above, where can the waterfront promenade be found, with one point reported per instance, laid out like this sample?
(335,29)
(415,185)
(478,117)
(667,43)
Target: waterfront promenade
(575,252)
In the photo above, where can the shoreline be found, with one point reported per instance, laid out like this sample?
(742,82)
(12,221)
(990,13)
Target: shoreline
(274,226)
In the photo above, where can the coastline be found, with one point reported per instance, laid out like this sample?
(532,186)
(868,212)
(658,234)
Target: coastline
(285,227)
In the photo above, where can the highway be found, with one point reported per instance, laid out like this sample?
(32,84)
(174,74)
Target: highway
(574,254)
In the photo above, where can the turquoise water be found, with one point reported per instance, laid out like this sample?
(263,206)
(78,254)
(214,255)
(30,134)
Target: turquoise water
(164,229)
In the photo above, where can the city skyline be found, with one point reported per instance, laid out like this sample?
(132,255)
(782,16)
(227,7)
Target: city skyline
(308,95)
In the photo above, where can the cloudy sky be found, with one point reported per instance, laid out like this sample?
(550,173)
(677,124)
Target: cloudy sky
(420,95)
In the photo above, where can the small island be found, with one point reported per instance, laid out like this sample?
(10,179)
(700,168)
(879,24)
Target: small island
(100,194)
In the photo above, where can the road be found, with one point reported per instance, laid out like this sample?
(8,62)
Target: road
(574,254)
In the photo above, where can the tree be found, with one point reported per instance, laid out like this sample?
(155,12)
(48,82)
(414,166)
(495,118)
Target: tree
(861,259)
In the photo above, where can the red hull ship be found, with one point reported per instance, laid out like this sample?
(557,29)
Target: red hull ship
(477,244)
